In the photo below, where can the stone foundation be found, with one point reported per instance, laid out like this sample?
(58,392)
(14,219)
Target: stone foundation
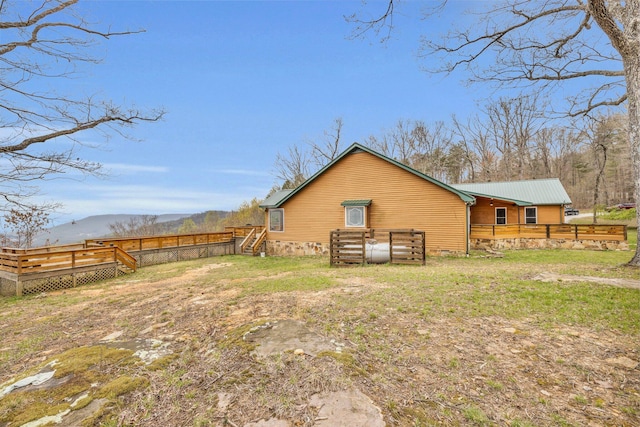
(278,248)
(521,243)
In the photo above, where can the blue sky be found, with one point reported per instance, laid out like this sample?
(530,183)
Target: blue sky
(242,81)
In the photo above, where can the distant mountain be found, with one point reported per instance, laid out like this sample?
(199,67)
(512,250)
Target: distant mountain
(92,227)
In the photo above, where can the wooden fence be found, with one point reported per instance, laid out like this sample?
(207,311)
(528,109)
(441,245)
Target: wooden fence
(550,231)
(356,247)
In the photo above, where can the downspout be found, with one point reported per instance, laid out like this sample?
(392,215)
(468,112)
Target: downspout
(468,227)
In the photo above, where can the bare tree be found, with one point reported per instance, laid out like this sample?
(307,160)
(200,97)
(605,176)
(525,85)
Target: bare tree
(325,151)
(477,138)
(42,42)
(292,168)
(26,223)
(512,127)
(139,225)
(432,145)
(295,166)
(545,45)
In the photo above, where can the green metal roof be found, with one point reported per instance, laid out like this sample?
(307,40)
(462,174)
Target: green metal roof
(528,192)
(364,202)
(355,148)
(273,200)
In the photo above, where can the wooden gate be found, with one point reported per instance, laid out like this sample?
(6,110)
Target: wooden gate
(349,247)
(407,247)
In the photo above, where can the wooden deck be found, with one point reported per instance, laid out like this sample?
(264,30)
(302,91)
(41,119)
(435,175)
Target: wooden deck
(550,231)
(35,270)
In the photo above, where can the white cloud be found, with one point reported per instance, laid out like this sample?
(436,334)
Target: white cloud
(130,169)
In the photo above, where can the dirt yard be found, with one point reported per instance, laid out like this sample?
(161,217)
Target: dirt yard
(416,351)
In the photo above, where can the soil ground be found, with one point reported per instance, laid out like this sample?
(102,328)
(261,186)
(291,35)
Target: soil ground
(429,367)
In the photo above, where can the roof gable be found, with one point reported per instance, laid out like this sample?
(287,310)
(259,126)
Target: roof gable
(357,148)
(533,192)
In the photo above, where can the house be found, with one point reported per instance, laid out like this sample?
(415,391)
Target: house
(362,189)
(537,201)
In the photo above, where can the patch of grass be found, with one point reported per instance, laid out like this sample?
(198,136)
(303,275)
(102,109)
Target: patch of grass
(498,288)
(496,385)
(619,215)
(476,416)
(289,283)
(162,363)
(580,400)
(121,385)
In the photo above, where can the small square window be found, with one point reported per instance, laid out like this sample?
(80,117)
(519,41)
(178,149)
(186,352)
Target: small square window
(276,220)
(354,216)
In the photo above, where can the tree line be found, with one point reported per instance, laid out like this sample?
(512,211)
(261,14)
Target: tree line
(506,140)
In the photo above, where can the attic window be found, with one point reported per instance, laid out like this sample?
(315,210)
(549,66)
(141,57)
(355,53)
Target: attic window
(355,212)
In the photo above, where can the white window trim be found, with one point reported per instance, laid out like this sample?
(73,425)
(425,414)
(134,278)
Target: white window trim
(505,215)
(364,217)
(525,214)
(281,210)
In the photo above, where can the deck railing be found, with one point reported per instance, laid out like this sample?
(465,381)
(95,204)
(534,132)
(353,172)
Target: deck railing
(550,231)
(98,251)
(244,230)
(34,261)
(161,242)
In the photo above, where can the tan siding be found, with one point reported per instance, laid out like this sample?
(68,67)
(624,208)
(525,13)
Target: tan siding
(399,200)
(550,214)
(483,213)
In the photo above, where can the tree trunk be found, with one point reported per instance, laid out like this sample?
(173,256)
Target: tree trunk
(632,68)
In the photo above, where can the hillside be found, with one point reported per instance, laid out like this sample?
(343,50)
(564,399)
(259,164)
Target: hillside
(91,228)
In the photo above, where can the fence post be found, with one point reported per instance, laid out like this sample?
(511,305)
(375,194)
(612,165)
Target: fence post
(576,231)
(548,231)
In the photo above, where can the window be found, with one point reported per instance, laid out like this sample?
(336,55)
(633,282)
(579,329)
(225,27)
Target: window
(354,216)
(501,216)
(355,212)
(276,219)
(530,215)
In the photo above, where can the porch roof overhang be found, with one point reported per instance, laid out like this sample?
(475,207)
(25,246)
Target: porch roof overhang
(505,199)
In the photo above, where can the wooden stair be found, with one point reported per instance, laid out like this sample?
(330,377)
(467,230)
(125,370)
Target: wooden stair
(253,242)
